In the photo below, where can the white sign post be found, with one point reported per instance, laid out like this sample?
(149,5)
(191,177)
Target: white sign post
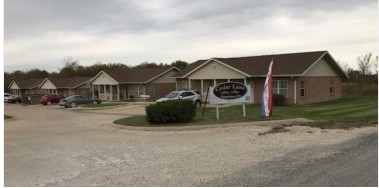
(230,93)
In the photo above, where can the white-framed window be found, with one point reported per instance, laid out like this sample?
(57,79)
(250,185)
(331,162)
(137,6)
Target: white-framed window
(280,87)
(302,88)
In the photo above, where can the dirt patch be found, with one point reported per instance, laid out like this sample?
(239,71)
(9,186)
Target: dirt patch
(346,126)
(275,129)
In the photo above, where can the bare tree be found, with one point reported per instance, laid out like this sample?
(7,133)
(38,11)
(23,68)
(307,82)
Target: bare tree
(376,65)
(364,64)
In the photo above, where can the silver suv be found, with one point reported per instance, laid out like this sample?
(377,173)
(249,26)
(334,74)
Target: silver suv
(183,94)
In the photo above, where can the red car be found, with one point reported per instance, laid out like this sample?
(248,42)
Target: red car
(50,99)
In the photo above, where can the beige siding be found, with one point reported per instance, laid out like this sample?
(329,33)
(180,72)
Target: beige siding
(214,70)
(166,78)
(48,85)
(321,68)
(104,79)
(14,86)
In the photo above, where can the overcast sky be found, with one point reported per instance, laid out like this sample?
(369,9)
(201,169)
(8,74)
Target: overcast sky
(41,33)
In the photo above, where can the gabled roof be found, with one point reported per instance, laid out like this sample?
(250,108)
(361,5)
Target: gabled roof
(136,75)
(27,83)
(291,64)
(68,82)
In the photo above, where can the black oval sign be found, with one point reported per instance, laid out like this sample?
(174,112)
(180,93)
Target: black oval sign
(230,90)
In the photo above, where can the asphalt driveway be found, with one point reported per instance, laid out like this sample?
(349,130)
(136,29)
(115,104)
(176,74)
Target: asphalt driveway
(51,146)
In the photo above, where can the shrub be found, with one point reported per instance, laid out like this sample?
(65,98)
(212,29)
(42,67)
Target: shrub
(278,99)
(173,111)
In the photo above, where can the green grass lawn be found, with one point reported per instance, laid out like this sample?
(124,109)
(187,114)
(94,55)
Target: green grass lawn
(353,108)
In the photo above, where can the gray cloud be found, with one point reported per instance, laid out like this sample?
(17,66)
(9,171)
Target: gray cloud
(99,28)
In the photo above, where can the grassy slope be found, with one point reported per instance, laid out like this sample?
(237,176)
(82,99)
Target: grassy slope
(355,108)
(348,109)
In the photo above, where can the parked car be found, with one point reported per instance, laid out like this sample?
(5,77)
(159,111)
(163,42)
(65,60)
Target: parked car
(51,99)
(7,96)
(14,99)
(183,94)
(75,100)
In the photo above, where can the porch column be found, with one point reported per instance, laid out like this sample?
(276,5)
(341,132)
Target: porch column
(111,92)
(105,92)
(93,91)
(294,92)
(202,87)
(189,83)
(244,81)
(214,83)
(98,90)
(118,92)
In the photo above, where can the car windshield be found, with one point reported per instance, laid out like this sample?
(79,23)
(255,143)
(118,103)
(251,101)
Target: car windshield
(173,94)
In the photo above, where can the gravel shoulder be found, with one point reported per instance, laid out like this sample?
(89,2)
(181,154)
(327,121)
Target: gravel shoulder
(80,149)
(351,164)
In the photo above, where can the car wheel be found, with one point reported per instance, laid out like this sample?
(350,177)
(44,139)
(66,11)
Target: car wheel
(49,103)
(198,104)
(94,102)
(73,105)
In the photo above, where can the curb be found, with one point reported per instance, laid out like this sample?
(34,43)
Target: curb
(226,125)
(109,107)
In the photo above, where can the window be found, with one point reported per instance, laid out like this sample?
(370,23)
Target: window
(186,94)
(280,87)
(331,88)
(302,88)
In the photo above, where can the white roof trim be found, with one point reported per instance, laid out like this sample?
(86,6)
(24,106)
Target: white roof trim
(44,81)
(98,74)
(317,61)
(313,64)
(195,69)
(13,82)
(218,61)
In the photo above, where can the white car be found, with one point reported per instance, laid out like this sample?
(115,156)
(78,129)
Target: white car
(7,96)
(183,94)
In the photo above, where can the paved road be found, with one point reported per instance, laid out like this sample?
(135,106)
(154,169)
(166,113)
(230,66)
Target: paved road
(51,146)
(355,165)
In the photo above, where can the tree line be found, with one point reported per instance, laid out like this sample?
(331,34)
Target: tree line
(367,69)
(72,68)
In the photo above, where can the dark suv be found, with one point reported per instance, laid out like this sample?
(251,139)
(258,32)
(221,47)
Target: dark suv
(50,99)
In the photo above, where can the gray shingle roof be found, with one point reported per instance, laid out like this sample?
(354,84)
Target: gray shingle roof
(69,82)
(28,83)
(284,64)
(137,75)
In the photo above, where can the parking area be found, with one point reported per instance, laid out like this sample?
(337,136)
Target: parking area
(53,146)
